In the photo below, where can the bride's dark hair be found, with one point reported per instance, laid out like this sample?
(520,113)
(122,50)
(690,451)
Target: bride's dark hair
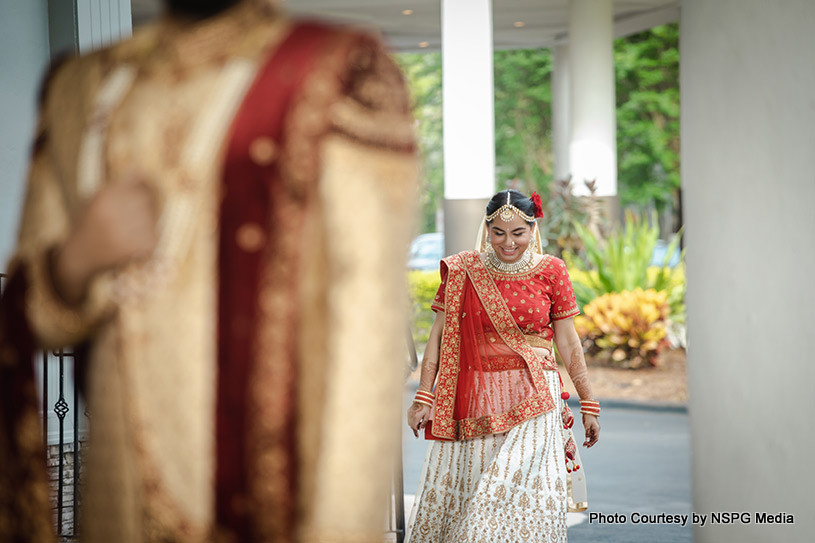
(199,8)
(516,198)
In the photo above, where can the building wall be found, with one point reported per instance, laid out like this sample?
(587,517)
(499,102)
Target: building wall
(748,171)
(24,55)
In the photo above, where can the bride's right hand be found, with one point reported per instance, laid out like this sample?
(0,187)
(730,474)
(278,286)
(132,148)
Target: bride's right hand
(418,416)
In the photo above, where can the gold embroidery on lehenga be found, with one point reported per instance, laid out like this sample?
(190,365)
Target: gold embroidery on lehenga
(517,476)
(518,498)
(493,507)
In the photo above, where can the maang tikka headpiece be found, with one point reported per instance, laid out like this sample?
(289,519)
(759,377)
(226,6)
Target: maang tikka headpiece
(506,211)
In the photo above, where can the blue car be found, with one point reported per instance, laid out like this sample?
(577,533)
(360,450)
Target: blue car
(426,251)
(661,251)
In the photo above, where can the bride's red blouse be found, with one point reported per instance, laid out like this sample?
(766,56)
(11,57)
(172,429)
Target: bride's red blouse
(535,299)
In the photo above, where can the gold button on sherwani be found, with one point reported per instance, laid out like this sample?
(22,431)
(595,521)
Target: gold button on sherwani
(263,151)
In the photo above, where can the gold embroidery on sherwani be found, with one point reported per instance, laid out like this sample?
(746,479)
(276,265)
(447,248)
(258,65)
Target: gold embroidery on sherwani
(350,173)
(176,461)
(150,477)
(152,394)
(366,278)
(272,383)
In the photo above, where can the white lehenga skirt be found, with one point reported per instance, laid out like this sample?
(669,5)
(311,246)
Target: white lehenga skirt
(507,487)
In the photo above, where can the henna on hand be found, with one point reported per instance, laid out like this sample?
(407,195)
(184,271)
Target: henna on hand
(578,372)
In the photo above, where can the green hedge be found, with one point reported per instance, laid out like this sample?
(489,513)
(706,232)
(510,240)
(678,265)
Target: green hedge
(423,286)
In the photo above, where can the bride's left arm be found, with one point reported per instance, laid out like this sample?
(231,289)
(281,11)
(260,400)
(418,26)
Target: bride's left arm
(570,349)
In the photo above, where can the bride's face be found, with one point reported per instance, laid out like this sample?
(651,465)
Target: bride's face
(509,239)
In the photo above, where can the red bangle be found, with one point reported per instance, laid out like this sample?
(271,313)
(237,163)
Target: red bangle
(424,397)
(590,407)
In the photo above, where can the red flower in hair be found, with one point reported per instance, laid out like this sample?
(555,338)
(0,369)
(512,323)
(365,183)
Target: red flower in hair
(536,199)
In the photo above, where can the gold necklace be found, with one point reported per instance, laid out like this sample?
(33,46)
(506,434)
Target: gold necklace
(521,265)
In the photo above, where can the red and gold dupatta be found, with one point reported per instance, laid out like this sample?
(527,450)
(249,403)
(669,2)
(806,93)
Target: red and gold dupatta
(490,379)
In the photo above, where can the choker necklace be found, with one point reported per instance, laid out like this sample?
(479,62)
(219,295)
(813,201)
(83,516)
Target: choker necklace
(521,265)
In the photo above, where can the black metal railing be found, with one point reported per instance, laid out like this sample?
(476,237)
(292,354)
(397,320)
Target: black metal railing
(64,452)
(63,445)
(396,516)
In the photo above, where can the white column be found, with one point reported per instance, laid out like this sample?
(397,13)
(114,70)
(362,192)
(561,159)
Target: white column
(469,125)
(101,22)
(748,172)
(593,144)
(561,111)
(23,59)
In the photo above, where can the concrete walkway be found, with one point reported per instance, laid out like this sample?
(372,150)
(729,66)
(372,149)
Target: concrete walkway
(639,469)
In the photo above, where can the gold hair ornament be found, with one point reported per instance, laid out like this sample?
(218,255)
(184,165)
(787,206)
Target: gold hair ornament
(506,211)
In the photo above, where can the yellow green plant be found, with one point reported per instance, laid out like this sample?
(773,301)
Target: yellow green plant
(626,329)
(672,280)
(623,257)
(674,284)
(422,286)
(621,261)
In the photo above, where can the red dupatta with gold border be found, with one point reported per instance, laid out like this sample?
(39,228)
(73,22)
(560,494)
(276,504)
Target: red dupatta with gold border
(486,384)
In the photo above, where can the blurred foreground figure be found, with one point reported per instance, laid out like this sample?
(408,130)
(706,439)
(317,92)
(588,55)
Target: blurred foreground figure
(215,208)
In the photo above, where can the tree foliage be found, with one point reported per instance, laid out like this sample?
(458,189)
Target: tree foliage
(423,72)
(647,74)
(647,87)
(523,119)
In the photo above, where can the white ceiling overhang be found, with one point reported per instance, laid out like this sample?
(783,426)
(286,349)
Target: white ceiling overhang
(415,25)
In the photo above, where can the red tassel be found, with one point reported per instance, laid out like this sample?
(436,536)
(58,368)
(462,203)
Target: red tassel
(564,395)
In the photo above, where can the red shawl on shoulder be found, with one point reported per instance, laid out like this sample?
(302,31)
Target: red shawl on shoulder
(490,379)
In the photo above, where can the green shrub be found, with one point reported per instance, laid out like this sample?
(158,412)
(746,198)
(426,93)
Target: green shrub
(621,262)
(423,286)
